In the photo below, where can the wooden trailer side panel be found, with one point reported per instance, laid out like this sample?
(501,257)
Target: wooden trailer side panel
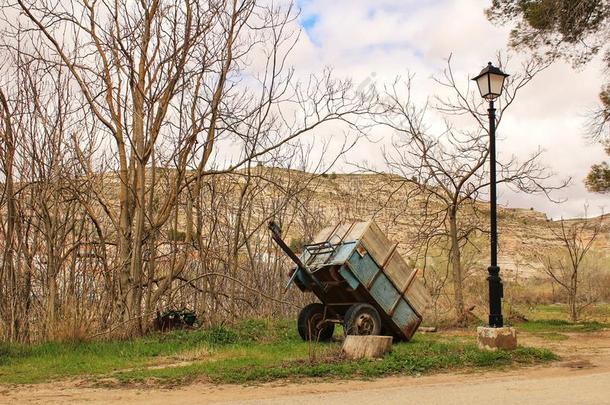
(418,296)
(383,292)
(407,319)
(395,267)
(398,270)
(378,252)
(408,282)
(376,243)
(324,235)
(342,232)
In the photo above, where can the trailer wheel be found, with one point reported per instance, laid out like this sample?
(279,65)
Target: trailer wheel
(309,324)
(362,319)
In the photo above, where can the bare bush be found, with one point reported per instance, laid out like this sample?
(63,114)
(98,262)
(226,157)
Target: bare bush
(567,267)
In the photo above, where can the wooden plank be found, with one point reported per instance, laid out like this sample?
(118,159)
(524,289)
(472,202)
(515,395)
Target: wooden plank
(357,230)
(389,256)
(340,231)
(405,318)
(363,267)
(404,290)
(418,296)
(377,244)
(398,270)
(410,281)
(343,238)
(372,281)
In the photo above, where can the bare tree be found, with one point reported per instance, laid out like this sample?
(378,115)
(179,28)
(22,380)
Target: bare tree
(162,92)
(8,275)
(443,174)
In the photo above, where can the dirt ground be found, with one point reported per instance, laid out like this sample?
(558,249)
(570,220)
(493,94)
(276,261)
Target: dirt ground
(581,377)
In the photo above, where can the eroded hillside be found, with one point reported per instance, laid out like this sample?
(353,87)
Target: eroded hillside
(525,235)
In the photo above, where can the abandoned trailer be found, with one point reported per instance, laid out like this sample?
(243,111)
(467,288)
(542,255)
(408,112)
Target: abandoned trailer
(362,282)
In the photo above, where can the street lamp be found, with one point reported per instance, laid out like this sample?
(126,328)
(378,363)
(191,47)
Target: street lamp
(491,82)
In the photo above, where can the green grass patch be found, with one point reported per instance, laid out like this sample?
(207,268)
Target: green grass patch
(598,312)
(254,351)
(552,336)
(424,354)
(51,361)
(560,325)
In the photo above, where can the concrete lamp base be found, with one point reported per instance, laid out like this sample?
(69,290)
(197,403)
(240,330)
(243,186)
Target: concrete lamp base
(496,338)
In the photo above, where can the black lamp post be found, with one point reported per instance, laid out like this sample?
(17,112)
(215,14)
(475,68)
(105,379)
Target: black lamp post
(491,82)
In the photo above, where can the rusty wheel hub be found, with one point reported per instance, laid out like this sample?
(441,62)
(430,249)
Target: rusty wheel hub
(365,324)
(315,323)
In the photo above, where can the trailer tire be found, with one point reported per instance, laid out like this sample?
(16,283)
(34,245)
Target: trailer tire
(362,319)
(309,317)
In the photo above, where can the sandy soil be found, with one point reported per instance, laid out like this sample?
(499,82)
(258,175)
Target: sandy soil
(582,377)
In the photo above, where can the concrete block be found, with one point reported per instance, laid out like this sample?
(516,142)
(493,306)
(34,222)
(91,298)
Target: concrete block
(496,338)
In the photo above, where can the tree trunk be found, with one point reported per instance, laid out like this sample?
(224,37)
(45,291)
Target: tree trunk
(572,299)
(124,248)
(51,303)
(7,273)
(366,347)
(456,266)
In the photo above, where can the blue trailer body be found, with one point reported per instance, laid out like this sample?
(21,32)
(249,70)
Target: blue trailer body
(344,272)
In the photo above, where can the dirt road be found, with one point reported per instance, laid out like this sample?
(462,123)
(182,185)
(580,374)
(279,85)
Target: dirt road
(582,377)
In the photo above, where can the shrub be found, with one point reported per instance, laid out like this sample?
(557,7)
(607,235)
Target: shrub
(296,244)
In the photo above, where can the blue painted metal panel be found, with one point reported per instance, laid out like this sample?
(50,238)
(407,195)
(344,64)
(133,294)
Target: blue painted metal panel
(337,254)
(314,263)
(364,267)
(404,316)
(349,277)
(342,253)
(384,292)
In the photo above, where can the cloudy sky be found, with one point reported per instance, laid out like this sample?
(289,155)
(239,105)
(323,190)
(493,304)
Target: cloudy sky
(378,40)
